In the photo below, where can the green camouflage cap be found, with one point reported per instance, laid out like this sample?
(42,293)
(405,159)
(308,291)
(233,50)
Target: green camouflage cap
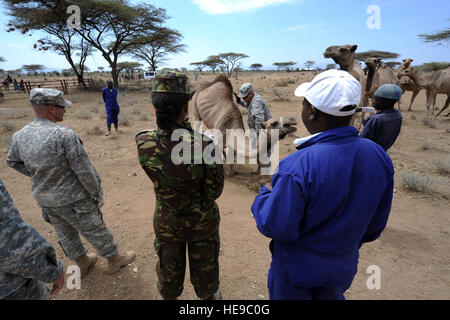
(171,82)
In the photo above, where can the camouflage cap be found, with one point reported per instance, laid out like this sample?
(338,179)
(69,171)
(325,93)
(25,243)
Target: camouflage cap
(48,97)
(171,82)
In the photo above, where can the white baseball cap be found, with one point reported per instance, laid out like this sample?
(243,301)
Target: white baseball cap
(332,90)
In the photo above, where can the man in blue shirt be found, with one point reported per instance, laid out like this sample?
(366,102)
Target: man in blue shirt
(328,198)
(109,95)
(384,127)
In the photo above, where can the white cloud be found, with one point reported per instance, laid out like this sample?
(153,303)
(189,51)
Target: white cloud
(232,6)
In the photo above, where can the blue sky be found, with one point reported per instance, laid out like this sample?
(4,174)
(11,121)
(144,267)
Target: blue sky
(271,31)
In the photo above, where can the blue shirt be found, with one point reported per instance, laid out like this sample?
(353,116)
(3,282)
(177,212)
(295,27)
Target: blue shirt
(110,98)
(383,127)
(328,198)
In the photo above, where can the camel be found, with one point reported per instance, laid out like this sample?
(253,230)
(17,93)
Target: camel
(437,83)
(378,74)
(214,105)
(407,84)
(344,56)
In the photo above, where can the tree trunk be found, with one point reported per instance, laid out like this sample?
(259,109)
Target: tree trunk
(115,76)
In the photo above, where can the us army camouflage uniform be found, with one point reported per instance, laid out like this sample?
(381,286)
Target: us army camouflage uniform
(258,112)
(64,183)
(185,212)
(27,260)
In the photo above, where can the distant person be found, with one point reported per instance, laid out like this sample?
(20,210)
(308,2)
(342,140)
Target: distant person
(16,85)
(196,76)
(186,213)
(327,199)
(22,85)
(9,79)
(65,183)
(384,126)
(5,84)
(112,108)
(27,260)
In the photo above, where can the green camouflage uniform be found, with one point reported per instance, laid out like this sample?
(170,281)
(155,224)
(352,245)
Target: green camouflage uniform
(186,211)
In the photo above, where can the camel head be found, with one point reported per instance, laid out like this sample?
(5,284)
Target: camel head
(341,54)
(372,63)
(285,125)
(406,63)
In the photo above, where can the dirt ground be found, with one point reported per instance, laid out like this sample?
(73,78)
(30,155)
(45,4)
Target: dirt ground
(413,252)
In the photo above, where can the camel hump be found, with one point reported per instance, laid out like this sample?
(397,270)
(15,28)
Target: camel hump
(223,78)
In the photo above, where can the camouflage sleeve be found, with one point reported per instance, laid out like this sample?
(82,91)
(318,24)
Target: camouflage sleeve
(258,114)
(13,159)
(214,180)
(23,251)
(81,165)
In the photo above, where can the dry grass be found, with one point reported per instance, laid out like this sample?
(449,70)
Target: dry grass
(416,182)
(82,114)
(426,144)
(95,131)
(19,114)
(6,126)
(94,109)
(143,117)
(442,165)
(136,110)
(124,119)
(280,95)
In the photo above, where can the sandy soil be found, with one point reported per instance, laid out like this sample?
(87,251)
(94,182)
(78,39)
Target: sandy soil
(412,253)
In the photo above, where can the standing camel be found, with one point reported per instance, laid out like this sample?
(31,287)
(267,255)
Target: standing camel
(407,84)
(214,105)
(378,74)
(437,83)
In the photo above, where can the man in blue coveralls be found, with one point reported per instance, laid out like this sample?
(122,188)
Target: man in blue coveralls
(109,95)
(384,127)
(328,198)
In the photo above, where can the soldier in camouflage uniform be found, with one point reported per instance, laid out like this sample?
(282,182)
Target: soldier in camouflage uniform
(186,211)
(27,260)
(64,182)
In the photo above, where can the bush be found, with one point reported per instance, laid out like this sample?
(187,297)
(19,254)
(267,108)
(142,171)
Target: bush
(426,144)
(94,109)
(442,165)
(280,95)
(136,110)
(18,114)
(143,117)
(82,114)
(430,121)
(124,119)
(414,181)
(6,126)
(7,140)
(95,131)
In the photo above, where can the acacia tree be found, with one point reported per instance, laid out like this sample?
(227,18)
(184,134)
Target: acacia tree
(362,56)
(230,59)
(128,66)
(110,26)
(213,62)
(199,65)
(331,66)
(437,37)
(256,67)
(308,64)
(32,68)
(158,47)
(284,65)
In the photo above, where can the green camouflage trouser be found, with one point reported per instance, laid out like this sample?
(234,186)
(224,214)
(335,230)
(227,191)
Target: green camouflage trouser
(203,252)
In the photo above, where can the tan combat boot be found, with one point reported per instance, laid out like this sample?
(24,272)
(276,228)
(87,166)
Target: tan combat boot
(119,260)
(85,262)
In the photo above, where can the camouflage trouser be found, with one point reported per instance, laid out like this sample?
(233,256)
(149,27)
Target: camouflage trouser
(33,290)
(82,217)
(203,266)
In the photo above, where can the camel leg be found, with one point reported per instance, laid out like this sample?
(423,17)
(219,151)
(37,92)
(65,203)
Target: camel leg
(445,105)
(415,93)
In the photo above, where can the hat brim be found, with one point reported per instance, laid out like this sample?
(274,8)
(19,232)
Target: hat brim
(242,96)
(301,89)
(65,103)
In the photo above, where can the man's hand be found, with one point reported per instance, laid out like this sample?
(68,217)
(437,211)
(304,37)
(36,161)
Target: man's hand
(101,202)
(58,284)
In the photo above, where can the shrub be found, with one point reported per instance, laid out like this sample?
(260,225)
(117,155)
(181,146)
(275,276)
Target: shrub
(143,117)
(94,109)
(7,140)
(442,165)
(414,181)
(430,121)
(280,95)
(136,110)
(18,114)
(95,131)
(6,126)
(124,119)
(82,114)
(426,144)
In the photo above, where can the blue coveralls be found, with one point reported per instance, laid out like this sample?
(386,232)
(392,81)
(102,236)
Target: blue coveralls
(383,127)
(111,105)
(328,198)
